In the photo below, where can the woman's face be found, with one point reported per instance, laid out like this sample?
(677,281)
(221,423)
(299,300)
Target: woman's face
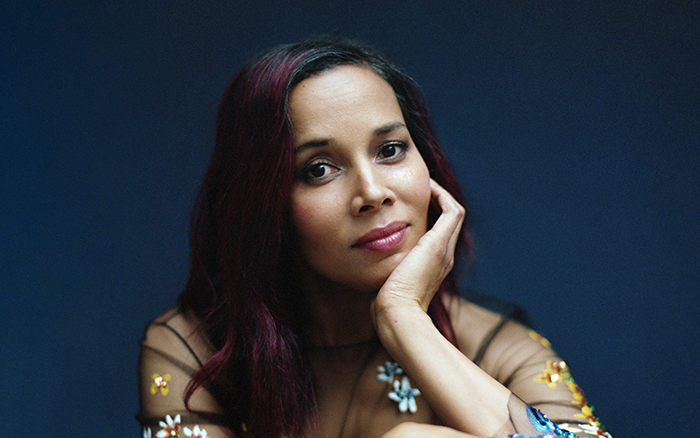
(362,190)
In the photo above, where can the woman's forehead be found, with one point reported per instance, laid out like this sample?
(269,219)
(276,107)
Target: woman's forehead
(342,93)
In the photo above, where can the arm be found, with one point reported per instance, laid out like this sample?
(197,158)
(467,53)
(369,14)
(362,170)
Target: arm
(463,395)
(524,362)
(170,353)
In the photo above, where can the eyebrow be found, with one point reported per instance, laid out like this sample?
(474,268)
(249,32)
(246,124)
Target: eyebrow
(390,127)
(382,130)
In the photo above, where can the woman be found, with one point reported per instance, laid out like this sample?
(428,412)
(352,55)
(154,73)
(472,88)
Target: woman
(320,300)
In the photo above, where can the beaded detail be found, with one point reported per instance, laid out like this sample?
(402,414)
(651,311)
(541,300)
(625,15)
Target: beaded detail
(169,428)
(544,425)
(160,384)
(402,392)
(172,428)
(541,339)
(195,432)
(554,373)
(557,372)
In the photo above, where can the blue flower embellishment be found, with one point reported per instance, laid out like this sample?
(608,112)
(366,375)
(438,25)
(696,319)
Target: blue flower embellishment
(404,395)
(388,371)
(542,424)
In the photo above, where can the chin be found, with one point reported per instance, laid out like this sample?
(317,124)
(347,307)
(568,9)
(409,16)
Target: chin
(377,279)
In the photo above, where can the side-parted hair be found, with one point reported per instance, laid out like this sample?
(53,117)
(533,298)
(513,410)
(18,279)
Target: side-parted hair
(242,279)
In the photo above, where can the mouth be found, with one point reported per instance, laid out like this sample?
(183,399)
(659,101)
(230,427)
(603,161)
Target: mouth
(384,238)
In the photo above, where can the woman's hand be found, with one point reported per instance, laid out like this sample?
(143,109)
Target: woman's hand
(419,275)
(464,397)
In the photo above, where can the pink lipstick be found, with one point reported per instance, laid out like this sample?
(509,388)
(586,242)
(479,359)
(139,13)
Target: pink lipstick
(383,239)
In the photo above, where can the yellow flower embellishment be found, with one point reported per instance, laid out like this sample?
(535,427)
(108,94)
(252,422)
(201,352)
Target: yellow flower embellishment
(160,383)
(555,373)
(586,412)
(541,339)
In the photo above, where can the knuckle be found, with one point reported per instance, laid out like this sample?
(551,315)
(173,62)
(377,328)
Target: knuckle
(461,211)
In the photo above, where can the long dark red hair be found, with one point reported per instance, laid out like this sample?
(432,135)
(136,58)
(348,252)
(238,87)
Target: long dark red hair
(241,279)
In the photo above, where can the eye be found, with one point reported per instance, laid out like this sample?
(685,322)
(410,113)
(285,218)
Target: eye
(392,151)
(317,172)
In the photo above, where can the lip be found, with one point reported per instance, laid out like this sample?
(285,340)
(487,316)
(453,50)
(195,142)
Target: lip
(383,238)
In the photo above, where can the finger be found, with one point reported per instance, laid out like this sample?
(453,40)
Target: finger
(452,213)
(445,200)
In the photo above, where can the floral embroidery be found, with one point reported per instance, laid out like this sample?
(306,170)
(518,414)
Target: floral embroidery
(541,339)
(587,413)
(388,371)
(556,372)
(160,383)
(170,427)
(196,432)
(590,428)
(404,395)
(546,427)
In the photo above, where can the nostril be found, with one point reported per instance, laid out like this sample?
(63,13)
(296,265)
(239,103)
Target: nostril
(364,208)
(386,201)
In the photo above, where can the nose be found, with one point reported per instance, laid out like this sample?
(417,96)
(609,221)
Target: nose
(371,191)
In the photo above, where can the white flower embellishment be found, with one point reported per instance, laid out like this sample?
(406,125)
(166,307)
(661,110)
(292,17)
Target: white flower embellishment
(388,371)
(590,428)
(404,395)
(197,432)
(170,427)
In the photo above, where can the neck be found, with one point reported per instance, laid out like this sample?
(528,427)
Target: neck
(339,316)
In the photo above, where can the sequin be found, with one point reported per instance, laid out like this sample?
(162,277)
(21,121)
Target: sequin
(196,432)
(590,428)
(541,339)
(544,425)
(557,371)
(554,373)
(387,371)
(160,383)
(403,393)
(170,427)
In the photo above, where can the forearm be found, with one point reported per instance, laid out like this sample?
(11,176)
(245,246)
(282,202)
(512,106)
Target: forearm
(463,396)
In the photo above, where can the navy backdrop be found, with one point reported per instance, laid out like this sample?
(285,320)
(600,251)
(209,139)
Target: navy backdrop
(574,127)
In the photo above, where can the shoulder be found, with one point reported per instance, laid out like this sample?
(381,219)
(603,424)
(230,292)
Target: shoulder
(481,331)
(502,347)
(470,322)
(173,348)
(179,336)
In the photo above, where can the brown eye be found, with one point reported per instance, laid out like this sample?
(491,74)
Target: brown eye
(388,151)
(317,171)
(392,151)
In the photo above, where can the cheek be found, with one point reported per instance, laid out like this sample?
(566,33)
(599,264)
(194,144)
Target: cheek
(312,220)
(415,183)
(303,218)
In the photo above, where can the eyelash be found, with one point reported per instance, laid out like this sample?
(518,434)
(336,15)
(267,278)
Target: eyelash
(305,173)
(403,147)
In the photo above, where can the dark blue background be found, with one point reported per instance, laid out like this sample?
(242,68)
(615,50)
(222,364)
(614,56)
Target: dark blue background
(574,127)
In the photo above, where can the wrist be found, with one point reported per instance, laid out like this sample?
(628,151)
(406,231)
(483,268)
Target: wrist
(399,323)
